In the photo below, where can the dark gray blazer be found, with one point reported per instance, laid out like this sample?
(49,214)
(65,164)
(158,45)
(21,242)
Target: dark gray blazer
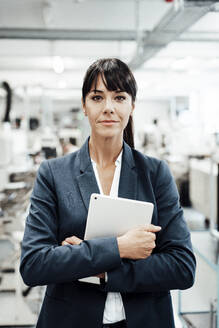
(59,205)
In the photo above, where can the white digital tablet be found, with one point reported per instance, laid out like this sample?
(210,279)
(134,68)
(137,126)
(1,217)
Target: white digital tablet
(113,216)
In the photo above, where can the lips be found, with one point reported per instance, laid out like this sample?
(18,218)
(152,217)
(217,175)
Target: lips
(108,121)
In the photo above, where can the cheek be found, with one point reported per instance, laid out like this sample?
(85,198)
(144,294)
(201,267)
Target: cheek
(126,120)
(125,112)
(90,118)
(92,114)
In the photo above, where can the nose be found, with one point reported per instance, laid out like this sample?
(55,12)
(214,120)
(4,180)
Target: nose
(109,106)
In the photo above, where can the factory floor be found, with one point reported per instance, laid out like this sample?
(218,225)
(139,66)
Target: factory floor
(22,311)
(198,303)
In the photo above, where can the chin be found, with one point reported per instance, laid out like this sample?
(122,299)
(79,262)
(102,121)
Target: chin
(109,134)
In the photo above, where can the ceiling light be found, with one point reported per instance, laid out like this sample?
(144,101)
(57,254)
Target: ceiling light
(194,72)
(58,64)
(212,63)
(183,63)
(62,84)
(158,63)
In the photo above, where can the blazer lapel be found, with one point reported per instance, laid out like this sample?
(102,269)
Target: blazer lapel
(86,180)
(128,176)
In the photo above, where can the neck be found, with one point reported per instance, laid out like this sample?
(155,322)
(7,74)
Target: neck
(104,151)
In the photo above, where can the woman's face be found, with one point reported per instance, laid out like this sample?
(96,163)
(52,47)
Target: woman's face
(108,111)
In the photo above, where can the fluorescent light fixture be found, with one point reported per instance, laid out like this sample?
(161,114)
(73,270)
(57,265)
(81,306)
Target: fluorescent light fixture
(212,63)
(34,91)
(58,64)
(194,72)
(183,63)
(62,84)
(158,63)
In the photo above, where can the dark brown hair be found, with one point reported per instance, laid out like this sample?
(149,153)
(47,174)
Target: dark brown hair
(116,75)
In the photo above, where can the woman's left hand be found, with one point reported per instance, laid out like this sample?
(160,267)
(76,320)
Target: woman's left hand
(73,240)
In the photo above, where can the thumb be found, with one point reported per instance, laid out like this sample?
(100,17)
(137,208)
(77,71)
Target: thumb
(152,228)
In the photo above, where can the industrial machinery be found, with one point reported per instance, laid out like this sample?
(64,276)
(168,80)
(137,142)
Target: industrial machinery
(5,139)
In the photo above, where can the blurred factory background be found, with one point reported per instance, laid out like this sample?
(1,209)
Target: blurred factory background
(173,48)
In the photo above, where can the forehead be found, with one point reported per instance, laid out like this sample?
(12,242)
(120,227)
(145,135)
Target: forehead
(100,84)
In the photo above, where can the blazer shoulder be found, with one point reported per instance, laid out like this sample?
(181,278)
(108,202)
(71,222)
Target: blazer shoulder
(143,162)
(155,169)
(63,161)
(59,167)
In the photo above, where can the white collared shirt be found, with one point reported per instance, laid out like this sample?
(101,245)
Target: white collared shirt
(114,309)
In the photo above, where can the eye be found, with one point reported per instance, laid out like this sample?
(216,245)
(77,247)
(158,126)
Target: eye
(96,98)
(120,98)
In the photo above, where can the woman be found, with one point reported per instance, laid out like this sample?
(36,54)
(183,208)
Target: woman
(136,270)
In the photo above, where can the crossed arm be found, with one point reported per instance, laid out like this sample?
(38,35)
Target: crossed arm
(136,244)
(171,265)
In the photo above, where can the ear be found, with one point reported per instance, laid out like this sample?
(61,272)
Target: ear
(83,107)
(133,107)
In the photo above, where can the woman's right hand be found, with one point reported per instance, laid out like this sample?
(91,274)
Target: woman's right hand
(138,243)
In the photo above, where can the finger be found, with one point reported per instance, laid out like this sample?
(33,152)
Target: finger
(100,275)
(152,228)
(150,247)
(148,253)
(148,227)
(70,240)
(64,243)
(150,234)
(73,240)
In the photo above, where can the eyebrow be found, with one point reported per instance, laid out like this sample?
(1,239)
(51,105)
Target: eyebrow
(101,91)
(95,91)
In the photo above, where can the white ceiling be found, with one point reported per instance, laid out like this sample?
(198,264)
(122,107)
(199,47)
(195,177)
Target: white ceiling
(29,62)
(208,23)
(90,14)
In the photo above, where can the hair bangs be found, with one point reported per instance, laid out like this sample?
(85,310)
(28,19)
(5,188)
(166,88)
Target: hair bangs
(115,75)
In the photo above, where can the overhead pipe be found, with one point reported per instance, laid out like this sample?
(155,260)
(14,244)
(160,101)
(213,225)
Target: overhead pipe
(181,16)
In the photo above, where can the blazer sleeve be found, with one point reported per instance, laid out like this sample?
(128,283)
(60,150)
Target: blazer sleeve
(43,260)
(172,264)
